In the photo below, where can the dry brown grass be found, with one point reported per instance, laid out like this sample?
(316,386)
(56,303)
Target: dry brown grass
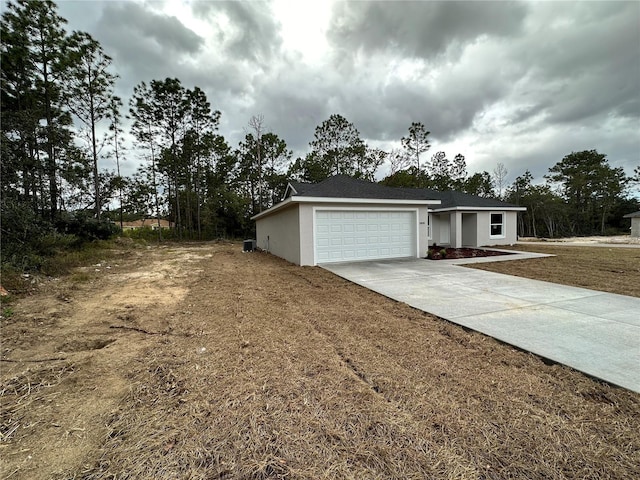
(267,370)
(607,269)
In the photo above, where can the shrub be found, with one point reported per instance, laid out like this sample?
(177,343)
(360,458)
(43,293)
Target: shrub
(29,241)
(64,261)
(85,227)
(21,230)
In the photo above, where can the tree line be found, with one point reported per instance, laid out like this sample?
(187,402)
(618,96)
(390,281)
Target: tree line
(61,121)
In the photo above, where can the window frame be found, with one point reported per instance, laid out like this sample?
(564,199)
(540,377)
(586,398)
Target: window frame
(501,223)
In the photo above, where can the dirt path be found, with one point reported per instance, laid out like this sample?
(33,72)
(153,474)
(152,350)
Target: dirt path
(202,362)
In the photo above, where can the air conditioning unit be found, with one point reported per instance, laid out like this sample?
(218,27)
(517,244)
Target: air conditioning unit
(249,246)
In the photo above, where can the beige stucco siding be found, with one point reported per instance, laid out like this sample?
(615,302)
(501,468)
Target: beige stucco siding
(467,228)
(635,227)
(484,228)
(438,223)
(288,231)
(279,233)
(306,234)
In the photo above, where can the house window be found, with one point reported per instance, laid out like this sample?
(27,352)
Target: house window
(497,225)
(429,227)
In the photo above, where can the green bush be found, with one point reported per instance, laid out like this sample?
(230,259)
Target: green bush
(52,243)
(29,241)
(66,260)
(21,230)
(85,227)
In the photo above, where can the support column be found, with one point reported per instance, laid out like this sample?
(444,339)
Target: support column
(456,229)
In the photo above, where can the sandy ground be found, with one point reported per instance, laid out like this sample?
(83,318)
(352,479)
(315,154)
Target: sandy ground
(199,361)
(596,240)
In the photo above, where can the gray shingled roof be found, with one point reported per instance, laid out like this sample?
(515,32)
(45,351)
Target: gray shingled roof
(451,199)
(632,215)
(342,186)
(300,187)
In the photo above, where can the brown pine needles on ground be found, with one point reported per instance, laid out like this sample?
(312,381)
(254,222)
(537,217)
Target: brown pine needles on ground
(261,369)
(608,269)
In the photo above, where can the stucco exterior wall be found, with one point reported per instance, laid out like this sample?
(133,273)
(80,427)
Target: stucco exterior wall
(279,234)
(435,229)
(306,234)
(635,227)
(469,229)
(289,233)
(510,229)
(443,236)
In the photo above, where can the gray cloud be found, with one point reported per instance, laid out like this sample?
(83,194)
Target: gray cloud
(566,62)
(127,19)
(145,44)
(584,61)
(420,29)
(253,33)
(519,83)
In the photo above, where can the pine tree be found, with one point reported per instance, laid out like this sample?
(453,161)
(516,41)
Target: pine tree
(91,94)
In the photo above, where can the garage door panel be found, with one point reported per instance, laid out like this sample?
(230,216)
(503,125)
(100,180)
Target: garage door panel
(362,235)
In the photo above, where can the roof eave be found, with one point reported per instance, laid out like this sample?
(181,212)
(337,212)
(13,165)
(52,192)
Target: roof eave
(301,199)
(291,190)
(403,201)
(632,215)
(483,209)
(278,206)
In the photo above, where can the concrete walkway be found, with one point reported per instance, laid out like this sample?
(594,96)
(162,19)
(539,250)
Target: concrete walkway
(594,332)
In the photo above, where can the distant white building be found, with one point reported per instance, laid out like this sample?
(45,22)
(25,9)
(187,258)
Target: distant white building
(635,223)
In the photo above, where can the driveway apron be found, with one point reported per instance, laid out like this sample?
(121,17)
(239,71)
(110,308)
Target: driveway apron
(594,332)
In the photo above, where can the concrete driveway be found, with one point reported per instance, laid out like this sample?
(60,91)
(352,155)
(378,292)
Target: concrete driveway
(594,332)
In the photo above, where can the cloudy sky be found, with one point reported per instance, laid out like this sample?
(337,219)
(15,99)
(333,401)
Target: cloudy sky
(521,83)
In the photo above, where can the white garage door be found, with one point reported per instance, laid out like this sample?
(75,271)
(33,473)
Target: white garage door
(346,235)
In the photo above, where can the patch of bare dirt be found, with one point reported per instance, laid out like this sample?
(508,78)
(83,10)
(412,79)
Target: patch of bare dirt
(611,239)
(199,361)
